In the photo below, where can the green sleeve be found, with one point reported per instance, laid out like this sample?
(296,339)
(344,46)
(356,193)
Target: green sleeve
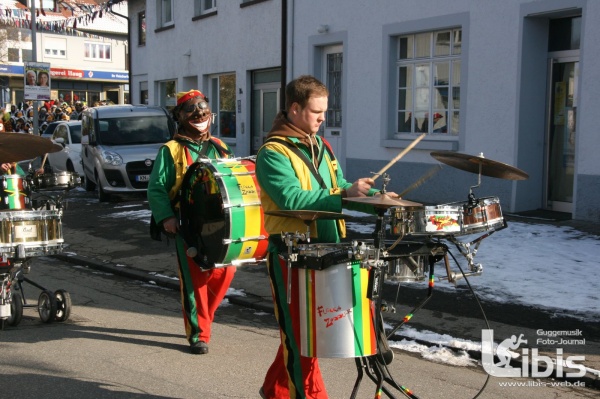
(162,179)
(277,177)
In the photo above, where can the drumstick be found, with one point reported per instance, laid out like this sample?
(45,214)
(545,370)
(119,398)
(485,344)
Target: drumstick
(393,161)
(44,160)
(14,167)
(422,180)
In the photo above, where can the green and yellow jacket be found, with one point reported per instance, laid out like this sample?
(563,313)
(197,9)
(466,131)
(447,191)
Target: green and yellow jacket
(170,165)
(287,183)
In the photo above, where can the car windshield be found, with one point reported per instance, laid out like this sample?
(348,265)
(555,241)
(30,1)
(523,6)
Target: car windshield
(138,130)
(75,133)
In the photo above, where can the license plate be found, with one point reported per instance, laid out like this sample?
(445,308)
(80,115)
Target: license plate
(142,178)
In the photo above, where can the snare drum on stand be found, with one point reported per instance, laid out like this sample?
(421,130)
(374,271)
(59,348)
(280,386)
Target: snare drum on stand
(56,181)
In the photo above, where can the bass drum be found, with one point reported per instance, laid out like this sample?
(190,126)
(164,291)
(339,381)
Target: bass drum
(222,220)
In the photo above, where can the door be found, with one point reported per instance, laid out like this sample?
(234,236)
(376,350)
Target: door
(332,129)
(561,134)
(266,86)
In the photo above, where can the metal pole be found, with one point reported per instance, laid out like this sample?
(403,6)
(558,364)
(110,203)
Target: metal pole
(34,59)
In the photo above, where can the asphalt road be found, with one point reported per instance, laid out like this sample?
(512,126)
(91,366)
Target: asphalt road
(124,340)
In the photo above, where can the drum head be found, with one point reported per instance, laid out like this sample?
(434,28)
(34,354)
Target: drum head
(203,222)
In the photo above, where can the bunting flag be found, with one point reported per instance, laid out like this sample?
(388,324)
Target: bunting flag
(81,14)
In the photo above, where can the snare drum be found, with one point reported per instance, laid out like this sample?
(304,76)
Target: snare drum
(221,213)
(14,193)
(438,220)
(57,181)
(336,317)
(402,219)
(30,233)
(485,215)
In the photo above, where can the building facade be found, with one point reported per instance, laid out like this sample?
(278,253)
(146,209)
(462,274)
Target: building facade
(512,81)
(87,57)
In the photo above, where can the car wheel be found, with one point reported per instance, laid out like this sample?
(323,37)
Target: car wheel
(102,196)
(88,184)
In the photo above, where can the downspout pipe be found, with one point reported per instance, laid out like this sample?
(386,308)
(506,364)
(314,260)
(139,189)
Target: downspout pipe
(284,27)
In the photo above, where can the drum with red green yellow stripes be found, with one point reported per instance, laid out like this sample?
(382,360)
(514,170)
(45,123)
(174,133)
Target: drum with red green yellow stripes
(14,193)
(222,220)
(336,317)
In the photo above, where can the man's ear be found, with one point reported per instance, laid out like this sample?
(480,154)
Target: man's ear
(295,108)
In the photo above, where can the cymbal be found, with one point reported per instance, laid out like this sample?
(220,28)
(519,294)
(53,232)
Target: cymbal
(15,147)
(383,201)
(472,163)
(306,215)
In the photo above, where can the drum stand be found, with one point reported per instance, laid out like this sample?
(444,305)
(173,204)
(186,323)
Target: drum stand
(51,306)
(375,367)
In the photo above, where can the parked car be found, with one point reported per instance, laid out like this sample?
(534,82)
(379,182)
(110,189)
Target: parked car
(67,134)
(119,145)
(47,133)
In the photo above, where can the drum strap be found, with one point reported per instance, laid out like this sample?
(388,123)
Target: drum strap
(304,158)
(204,148)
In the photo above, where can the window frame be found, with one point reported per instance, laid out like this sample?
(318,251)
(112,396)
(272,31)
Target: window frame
(142,28)
(200,8)
(161,7)
(88,53)
(424,77)
(389,110)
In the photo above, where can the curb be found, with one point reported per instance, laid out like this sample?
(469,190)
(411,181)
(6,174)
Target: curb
(249,301)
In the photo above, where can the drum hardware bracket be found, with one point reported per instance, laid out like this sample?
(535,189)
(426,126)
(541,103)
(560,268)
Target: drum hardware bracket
(243,239)
(228,206)
(236,262)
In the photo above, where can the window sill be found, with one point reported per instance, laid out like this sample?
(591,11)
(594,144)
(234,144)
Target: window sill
(203,16)
(164,28)
(429,142)
(251,3)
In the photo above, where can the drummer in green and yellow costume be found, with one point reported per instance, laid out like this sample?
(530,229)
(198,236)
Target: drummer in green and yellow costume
(201,290)
(297,170)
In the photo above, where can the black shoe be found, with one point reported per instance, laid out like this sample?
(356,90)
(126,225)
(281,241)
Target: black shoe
(199,348)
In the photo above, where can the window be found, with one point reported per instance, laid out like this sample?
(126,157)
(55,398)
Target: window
(204,6)
(334,85)
(222,103)
(142,28)
(167,94)
(428,82)
(144,93)
(164,10)
(97,51)
(55,48)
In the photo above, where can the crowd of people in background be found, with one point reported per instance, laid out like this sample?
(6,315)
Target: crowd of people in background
(19,118)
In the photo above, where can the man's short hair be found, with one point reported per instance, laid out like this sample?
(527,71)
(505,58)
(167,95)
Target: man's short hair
(301,89)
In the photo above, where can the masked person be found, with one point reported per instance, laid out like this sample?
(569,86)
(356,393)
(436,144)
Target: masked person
(297,170)
(201,290)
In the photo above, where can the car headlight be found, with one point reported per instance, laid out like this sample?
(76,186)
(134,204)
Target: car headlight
(111,158)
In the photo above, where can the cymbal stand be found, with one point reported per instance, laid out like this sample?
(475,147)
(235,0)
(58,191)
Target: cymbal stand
(472,203)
